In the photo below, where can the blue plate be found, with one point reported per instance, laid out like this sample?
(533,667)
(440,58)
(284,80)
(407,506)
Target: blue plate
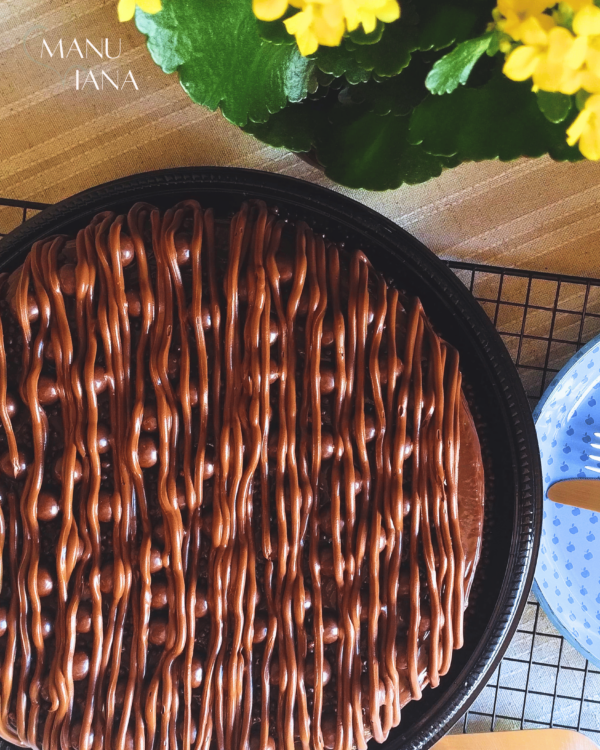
(567,577)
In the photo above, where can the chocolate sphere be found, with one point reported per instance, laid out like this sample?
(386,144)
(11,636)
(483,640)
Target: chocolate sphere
(273,331)
(309,672)
(157,632)
(181,499)
(326,445)
(329,730)
(47,625)
(274,672)
(103,439)
(370,428)
(48,507)
(194,397)
(77,471)
(327,380)
(365,696)
(260,628)
(32,308)
(255,742)
(49,351)
(67,279)
(201,600)
(285,266)
(12,405)
(127,249)
(47,391)
(84,618)
(209,465)
(159,595)
(206,319)
(155,560)
(147,452)
(129,743)
(106,578)
(105,513)
(327,335)
(357,481)
(182,247)
(331,630)
(134,303)
(150,418)
(100,379)
(45,583)
(3,621)
(382,539)
(76,734)
(193,730)
(197,672)
(274,373)
(307,599)
(9,470)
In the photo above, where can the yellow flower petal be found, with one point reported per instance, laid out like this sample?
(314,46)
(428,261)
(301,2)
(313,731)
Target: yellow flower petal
(532,33)
(369,21)
(389,12)
(300,22)
(330,36)
(307,43)
(522,62)
(150,6)
(576,55)
(587,21)
(126,10)
(576,130)
(589,82)
(269,10)
(589,143)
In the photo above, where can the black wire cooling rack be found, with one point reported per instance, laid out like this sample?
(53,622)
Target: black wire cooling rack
(542,681)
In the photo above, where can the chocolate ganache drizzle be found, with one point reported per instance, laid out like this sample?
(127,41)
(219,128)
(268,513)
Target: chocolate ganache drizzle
(242,492)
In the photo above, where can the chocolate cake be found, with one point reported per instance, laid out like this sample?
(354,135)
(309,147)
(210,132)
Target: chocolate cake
(242,491)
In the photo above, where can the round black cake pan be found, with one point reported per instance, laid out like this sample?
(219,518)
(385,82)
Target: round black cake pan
(505,426)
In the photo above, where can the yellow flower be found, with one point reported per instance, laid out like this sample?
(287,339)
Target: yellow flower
(269,10)
(126,9)
(326,21)
(586,129)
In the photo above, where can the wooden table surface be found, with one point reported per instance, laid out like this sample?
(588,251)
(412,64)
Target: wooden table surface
(56,141)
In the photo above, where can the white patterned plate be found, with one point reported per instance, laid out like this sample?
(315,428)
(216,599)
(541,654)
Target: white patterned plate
(567,577)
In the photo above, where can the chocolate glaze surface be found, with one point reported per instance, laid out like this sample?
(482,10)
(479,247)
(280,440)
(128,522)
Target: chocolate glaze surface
(242,496)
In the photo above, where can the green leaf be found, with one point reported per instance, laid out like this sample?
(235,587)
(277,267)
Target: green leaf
(294,128)
(554,105)
(363,150)
(454,68)
(339,61)
(397,95)
(358,148)
(221,59)
(499,120)
(275,31)
(444,22)
(358,36)
(393,51)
